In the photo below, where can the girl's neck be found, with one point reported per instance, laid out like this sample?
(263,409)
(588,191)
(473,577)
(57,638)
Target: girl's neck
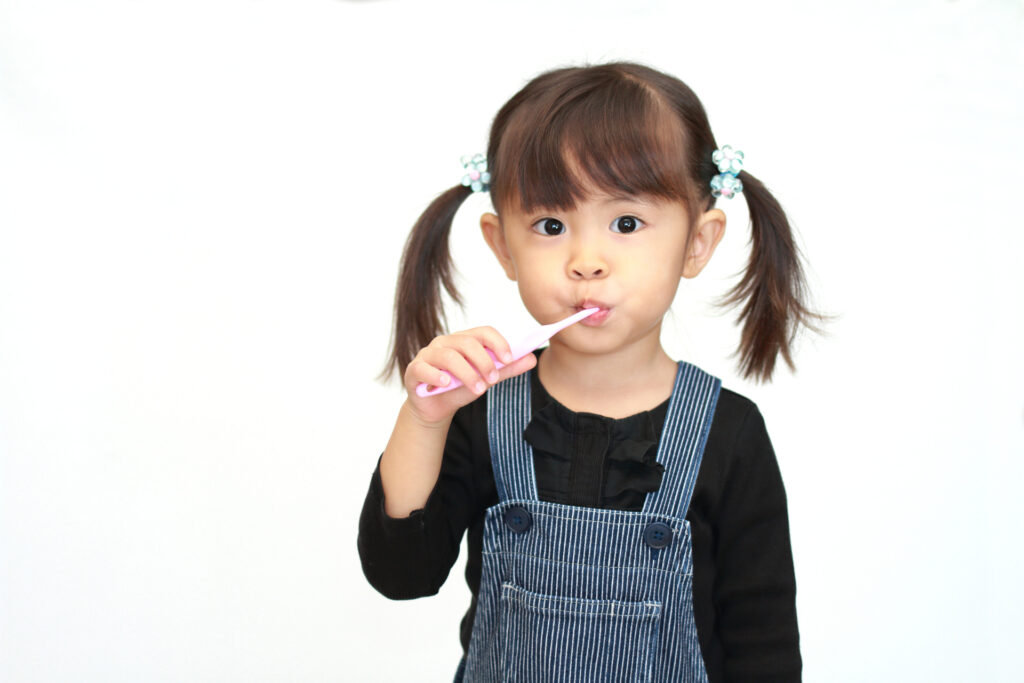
(617,384)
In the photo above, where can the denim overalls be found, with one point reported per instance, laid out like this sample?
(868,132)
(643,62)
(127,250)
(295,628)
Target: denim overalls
(573,593)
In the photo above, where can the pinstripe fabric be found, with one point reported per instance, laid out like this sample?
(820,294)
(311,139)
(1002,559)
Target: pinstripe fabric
(579,595)
(689,415)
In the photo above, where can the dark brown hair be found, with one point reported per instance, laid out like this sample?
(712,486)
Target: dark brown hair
(625,129)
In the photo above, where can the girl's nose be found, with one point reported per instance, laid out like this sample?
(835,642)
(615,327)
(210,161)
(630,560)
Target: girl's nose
(587,265)
(587,272)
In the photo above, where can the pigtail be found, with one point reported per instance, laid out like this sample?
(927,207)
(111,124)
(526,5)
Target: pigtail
(426,266)
(773,287)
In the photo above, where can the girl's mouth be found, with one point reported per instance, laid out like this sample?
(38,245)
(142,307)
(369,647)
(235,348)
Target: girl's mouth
(595,319)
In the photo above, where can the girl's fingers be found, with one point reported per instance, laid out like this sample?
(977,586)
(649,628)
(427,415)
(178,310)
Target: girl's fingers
(492,339)
(524,364)
(464,356)
(473,345)
(420,371)
(454,362)
(473,350)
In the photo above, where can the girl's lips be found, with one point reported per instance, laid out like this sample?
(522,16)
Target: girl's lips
(595,319)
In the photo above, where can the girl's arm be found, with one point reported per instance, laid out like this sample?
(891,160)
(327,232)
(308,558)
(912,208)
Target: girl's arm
(412,459)
(755,586)
(411,556)
(411,462)
(421,495)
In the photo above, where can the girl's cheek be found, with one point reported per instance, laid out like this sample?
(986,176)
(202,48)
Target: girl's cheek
(530,291)
(537,272)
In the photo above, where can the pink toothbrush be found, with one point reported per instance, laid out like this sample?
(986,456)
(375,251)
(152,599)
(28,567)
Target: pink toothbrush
(519,349)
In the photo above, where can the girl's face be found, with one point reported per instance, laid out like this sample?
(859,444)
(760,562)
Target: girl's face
(624,255)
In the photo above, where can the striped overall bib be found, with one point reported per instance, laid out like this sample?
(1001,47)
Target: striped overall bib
(573,593)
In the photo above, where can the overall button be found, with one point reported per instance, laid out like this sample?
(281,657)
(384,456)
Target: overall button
(518,519)
(658,534)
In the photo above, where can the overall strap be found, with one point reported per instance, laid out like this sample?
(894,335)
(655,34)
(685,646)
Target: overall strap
(508,413)
(681,447)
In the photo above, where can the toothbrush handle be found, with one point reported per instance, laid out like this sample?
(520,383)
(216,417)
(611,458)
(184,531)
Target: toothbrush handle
(519,349)
(455,383)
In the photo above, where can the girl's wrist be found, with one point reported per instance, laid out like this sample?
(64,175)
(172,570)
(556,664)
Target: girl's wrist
(423,422)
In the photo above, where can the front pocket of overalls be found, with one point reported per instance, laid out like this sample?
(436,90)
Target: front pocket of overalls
(551,638)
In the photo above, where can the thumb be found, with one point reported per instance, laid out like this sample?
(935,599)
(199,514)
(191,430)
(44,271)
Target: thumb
(524,364)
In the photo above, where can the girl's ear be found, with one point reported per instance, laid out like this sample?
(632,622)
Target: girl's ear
(490,224)
(707,233)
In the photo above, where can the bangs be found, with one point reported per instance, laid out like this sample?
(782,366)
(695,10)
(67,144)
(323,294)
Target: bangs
(612,134)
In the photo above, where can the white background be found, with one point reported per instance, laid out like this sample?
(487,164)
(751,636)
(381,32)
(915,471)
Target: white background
(202,205)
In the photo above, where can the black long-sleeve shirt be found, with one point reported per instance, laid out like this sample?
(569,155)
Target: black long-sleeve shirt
(743,582)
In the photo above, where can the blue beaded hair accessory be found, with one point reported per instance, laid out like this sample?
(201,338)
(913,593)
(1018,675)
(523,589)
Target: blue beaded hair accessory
(476,176)
(730,163)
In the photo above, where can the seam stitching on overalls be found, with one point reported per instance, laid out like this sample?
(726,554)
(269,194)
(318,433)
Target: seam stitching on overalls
(588,564)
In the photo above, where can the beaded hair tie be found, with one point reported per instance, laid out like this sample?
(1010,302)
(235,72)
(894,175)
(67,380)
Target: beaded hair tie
(730,163)
(476,176)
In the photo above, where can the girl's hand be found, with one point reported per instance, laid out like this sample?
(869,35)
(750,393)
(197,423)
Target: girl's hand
(462,355)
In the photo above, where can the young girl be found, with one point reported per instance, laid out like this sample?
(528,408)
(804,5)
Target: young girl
(626,516)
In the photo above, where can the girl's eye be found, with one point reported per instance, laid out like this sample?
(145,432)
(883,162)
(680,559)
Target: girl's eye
(549,226)
(626,224)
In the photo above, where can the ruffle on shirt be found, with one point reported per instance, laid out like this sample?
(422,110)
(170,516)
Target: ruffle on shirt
(594,460)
